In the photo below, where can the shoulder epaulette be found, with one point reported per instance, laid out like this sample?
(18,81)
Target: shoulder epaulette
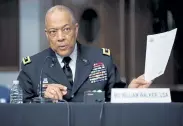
(106,51)
(26,60)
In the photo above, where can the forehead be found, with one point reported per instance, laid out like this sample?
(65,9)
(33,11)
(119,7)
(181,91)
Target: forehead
(58,19)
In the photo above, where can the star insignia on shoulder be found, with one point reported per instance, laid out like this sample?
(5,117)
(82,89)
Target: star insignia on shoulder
(106,51)
(26,60)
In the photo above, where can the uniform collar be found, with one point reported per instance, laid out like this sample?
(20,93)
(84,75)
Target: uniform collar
(73,55)
(79,52)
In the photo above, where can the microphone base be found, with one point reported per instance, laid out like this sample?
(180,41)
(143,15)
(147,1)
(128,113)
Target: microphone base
(41,100)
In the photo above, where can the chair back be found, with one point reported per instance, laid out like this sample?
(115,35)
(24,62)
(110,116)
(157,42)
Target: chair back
(4,94)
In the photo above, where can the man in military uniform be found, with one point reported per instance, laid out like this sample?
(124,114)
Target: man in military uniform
(67,69)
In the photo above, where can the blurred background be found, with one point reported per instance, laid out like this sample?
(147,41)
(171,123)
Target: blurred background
(120,25)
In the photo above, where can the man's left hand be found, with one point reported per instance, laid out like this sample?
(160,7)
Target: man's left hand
(139,82)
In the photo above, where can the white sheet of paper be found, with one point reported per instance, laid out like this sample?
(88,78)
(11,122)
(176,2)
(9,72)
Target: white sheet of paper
(158,51)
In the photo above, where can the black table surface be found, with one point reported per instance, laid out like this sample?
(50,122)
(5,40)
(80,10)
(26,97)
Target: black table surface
(80,114)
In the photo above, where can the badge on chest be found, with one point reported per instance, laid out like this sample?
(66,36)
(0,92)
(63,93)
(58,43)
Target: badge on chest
(45,80)
(98,73)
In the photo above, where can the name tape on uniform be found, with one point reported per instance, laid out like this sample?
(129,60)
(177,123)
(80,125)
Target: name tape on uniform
(140,95)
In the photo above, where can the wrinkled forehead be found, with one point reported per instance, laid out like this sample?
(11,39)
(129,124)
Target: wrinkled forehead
(58,19)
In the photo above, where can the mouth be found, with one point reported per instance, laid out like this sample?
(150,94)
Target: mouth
(63,47)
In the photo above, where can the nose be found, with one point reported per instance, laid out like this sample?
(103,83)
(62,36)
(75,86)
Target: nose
(60,36)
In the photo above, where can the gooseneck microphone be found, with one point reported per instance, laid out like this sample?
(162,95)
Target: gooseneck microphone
(40,98)
(40,78)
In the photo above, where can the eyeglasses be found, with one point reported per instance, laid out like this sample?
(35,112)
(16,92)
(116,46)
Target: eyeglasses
(65,30)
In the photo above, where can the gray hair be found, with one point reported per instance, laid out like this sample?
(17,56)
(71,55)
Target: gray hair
(61,8)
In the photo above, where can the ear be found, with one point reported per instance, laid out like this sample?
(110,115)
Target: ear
(46,32)
(76,29)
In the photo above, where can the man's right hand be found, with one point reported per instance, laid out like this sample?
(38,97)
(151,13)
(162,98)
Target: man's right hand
(55,91)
